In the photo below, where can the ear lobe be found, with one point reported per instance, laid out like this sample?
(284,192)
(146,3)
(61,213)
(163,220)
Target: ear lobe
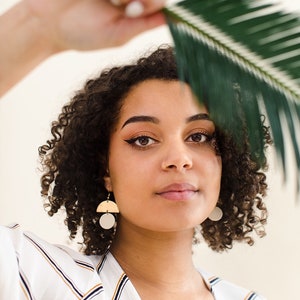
(107,183)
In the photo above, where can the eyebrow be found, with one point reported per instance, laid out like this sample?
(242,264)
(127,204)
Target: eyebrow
(136,119)
(201,116)
(154,120)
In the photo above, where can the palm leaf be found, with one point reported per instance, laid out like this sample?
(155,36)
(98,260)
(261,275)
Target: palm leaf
(242,59)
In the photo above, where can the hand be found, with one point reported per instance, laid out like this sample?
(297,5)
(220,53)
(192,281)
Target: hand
(91,24)
(33,30)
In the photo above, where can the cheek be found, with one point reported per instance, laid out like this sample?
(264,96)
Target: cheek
(128,187)
(218,165)
(212,168)
(126,173)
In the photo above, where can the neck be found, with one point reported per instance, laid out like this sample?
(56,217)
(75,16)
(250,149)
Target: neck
(158,258)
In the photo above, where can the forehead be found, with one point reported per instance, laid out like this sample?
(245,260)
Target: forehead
(161,98)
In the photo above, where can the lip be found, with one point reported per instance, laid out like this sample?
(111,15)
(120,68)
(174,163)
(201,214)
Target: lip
(178,191)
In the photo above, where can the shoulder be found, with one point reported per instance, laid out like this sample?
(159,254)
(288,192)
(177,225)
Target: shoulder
(23,244)
(24,257)
(224,290)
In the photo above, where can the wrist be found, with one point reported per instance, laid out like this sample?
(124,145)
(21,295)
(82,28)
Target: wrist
(25,45)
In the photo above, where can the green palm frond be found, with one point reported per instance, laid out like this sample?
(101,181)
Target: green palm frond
(242,59)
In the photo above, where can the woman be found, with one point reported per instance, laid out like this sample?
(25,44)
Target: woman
(136,144)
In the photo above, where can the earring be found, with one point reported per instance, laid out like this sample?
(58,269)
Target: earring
(216,214)
(107,220)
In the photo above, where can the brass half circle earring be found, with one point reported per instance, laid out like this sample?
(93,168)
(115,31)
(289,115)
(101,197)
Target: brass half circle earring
(107,207)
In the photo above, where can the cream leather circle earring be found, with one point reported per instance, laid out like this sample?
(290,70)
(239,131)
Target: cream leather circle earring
(107,207)
(216,214)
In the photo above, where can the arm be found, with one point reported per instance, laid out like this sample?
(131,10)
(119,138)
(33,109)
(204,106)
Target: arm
(33,30)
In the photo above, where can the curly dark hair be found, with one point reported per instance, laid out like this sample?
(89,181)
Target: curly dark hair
(75,161)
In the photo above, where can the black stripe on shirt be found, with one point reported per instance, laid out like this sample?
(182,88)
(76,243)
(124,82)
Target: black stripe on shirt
(119,288)
(25,286)
(94,292)
(56,267)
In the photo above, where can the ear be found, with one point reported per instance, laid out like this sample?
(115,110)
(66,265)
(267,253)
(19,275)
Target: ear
(107,183)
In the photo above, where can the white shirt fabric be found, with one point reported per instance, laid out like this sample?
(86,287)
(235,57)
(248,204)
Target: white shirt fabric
(31,268)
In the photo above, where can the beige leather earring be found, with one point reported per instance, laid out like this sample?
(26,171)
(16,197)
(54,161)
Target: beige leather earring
(107,207)
(216,214)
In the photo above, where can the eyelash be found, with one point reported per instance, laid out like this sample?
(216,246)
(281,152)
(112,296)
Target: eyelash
(132,141)
(208,137)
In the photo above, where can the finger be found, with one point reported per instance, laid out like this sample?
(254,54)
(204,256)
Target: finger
(139,25)
(116,2)
(134,9)
(152,6)
(137,8)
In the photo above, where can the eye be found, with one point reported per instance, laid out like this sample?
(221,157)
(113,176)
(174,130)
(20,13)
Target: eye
(141,141)
(199,137)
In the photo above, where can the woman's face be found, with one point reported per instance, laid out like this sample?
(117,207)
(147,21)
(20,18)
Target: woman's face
(163,169)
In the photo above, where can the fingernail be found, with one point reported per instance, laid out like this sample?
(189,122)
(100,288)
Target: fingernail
(116,2)
(134,9)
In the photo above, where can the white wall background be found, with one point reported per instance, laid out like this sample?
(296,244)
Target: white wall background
(271,266)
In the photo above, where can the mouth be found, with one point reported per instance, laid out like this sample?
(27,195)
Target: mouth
(178,192)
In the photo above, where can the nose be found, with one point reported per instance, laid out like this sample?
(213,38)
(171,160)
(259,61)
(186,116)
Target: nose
(177,157)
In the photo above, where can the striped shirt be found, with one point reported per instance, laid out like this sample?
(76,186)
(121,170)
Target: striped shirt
(31,268)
